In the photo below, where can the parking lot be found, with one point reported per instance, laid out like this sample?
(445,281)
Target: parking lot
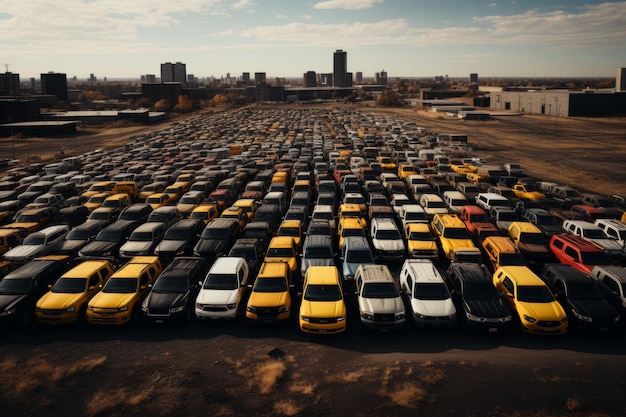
(414,369)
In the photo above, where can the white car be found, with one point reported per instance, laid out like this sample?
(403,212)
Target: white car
(593,233)
(36,244)
(222,289)
(378,296)
(428,297)
(387,240)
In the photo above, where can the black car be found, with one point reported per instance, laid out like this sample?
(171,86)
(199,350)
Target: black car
(250,250)
(271,214)
(138,212)
(179,240)
(217,238)
(108,242)
(78,237)
(173,294)
(476,299)
(20,289)
(72,215)
(580,297)
(260,231)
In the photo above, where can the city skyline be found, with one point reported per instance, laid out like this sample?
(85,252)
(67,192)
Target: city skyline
(120,39)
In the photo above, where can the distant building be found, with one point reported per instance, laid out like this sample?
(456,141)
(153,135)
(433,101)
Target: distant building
(54,84)
(156,92)
(381,78)
(9,84)
(358,77)
(340,68)
(473,78)
(280,81)
(245,77)
(620,81)
(151,78)
(92,78)
(325,79)
(260,78)
(310,79)
(173,72)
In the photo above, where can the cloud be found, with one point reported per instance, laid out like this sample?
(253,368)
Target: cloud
(493,4)
(346,4)
(242,4)
(280,16)
(305,16)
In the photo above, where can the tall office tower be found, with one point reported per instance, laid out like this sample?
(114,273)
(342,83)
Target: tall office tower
(310,79)
(358,77)
(173,72)
(473,78)
(340,68)
(259,78)
(9,84)
(381,77)
(620,81)
(246,77)
(54,83)
(151,78)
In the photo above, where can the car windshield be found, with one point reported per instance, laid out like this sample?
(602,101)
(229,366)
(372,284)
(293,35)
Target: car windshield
(221,282)
(415,215)
(270,285)
(28,218)
(243,252)
(108,236)
(171,285)
(512,259)
(141,237)
(421,236)
(380,290)
(388,234)
(456,233)
(34,239)
(594,234)
(534,294)
(547,220)
(97,199)
(120,285)
(507,216)
(595,258)
(322,293)
(280,253)
(480,291)
(353,232)
(213,233)
(78,234)
(70,285)
(318,252)
(430,291)
(177,234)
(323,215)
(532,238)
(583,291)
(288,231)
(359,257)
(15,286)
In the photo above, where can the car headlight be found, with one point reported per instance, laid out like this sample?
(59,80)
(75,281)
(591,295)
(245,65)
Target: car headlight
(341,318)
(70,309)
(472,317)
(367,316)
(582,317)
(305,318)
(231,306)
(400,316)
(564,320)
(506,319)
(125,308)
(177,309)
(8,312)
(281,309)
(617,319)
(90,308)
(529,319)
(251,309)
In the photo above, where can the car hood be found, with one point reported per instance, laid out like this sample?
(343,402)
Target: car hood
(381,305)
(218,296)
(541,311)
(112,300)
(136,247)
(210,246)
(535,249)
(98,248)
(8,301)
(611,245)
(162,300)
(23,251)
(306,263)
(323,308)
(433,308)
(68,246)
(388,244)
(269,299)
(59,301)
(599,310)
(170,246)
(486,308)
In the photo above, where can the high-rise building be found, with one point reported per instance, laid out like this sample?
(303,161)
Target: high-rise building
(55,84)
(358,77)
(9,84)
(380,78)
(620,81)
(173,72)
(473,79)
(260,78)
(310,79)
(340,68)
(245,77)
(151,78)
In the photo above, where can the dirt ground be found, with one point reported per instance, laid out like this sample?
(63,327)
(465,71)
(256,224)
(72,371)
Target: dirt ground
(233,369)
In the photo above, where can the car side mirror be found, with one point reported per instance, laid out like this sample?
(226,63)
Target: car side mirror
(299,293)
(91,288)
(200,283)
(49,286)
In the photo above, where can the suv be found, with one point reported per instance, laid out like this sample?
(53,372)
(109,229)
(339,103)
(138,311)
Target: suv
(453,235)
(217,238)
(109,240)
(544,220)
(489,200)
(270,299)
(222,290)
(531,242)
(611,283)
(120,299)
(531,300)
(142,241)
(355,252)
(378,297)
(428,296)
(501,251)
(179,240)
(317,251)
(593,233)
(387,240)
(476,298)
(36,244)
(576,251)
(322,309)
(614,229)
(22,288)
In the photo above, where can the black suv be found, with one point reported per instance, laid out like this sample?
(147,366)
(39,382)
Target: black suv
(179,240)
(217,238)
(108,242)
(136,212)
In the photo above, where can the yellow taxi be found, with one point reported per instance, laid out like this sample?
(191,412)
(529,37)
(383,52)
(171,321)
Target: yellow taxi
(159,200)
(119,300)
(529,297)
(96,200)
(205,212)
(322,309)
(421,243)
(237,213)
(283,249)
(66,302)
(452,234)
(270,300)
(249,206)
(292,228)
(99,187)
(350,226)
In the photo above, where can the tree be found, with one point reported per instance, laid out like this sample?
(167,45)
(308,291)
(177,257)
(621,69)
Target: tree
(144,103)
(163,105)
(389,98)
(61,105)
(184,105)
(220,100)
(130,103)
(90,95)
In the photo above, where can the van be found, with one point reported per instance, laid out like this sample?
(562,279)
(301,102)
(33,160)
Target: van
(66,302)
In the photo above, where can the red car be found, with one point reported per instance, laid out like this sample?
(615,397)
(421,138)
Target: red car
(578,252)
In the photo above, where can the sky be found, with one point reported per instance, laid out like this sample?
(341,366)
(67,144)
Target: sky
(285,38)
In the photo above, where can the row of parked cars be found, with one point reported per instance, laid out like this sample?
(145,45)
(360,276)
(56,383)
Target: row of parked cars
(212,218)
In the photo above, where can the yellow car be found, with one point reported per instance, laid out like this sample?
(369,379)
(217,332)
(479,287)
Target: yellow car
(529,297)
(322,309)
(350,226)
(67,300)
(452,234)
(404,170)
(249,206)
(205,212)
(270,300)
(526,192)
(159,200)
(283,249)
(292,228)
(99,187)
(96,200)
(386,163)
(119,300)
(347,210)
(421,243)
(237,213)
(31,220)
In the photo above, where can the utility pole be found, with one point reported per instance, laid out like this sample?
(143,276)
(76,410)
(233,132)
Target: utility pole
(6,66)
